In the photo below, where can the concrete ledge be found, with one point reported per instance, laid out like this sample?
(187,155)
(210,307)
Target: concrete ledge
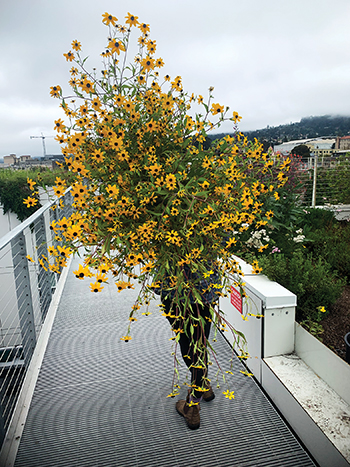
(324,406)
(325,363)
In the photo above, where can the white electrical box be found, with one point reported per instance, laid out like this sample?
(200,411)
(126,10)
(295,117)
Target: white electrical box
(266,336)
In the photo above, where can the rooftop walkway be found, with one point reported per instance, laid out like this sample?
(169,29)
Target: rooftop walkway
(100,401)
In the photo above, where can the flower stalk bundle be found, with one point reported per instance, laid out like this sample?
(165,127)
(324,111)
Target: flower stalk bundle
(153,203)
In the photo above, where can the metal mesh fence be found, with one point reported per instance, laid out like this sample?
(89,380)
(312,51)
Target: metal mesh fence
(325,181)
(25,296)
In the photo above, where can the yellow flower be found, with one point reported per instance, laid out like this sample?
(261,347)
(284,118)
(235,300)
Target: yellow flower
(69,56)
(109,19)
(170,181)
(173,237)
(76,45)
(155,170)
(126,338)
(216,108)
(31,183)
(59,191)
(55,91)
(30,201)
(236,118)
(30,258)
(95,287)
(64,251)
(116,46)
(147,267)
(147,63)
(82,272)
(228,394)
(132,20)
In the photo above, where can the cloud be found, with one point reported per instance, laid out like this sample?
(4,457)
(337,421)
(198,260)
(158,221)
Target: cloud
(272,61)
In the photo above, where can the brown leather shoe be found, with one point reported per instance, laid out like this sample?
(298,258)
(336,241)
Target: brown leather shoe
(208,395)
(189,412)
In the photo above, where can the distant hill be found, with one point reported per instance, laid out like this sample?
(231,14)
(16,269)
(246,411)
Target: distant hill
(309,127)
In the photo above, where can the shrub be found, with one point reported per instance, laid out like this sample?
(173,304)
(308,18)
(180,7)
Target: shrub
(14,188)
(332,242)
(312,280)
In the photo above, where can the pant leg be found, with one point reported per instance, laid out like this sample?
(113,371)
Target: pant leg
(187,351)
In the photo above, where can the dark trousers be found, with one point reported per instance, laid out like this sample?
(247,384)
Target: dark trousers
(201,333)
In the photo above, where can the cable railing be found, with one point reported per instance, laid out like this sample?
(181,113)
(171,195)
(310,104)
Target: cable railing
(25,295)
(325,181)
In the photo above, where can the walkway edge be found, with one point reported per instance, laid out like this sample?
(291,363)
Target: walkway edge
(14,433)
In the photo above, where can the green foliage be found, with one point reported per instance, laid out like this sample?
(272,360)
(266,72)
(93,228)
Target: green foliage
(14,188)
(313,327)
(312,279)
(302,150)
(330,241)
(316,218)
(286,224)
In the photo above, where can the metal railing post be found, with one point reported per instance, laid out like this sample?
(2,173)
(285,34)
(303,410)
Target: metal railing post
(44,276)
(24,296)
(313,203)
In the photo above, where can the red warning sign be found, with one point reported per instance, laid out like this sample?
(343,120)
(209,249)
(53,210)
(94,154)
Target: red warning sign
(236,299)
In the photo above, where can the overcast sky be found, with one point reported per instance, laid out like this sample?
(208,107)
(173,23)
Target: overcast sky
(272,61)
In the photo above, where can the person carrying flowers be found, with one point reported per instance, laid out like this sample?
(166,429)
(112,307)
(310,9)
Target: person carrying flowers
(153,200)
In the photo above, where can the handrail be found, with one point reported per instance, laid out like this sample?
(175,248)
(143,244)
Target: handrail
(25,295)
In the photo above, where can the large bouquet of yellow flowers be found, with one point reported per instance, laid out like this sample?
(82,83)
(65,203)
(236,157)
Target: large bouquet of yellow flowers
(152,198)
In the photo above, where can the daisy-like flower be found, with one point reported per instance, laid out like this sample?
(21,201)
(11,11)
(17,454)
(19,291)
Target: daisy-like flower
(59,191)
(69,56)
(116,46)
(126,338)
(108,19)
(229,395)
(170,181)
(55,91)
(172,237)
(96,287)
(236,117)
(151,47)
(246,373)
(216,108)
(131,19)
(30,202)
(31,183)
(159,63)
(147,63)
(65,252)
(144,28)
(76,45)
(151,125)
(82,272)
(59,125)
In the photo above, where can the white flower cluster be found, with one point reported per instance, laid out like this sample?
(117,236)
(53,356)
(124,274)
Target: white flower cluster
(300,237)
(257,237)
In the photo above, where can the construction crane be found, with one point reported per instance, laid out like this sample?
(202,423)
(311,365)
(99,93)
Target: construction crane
(43,140)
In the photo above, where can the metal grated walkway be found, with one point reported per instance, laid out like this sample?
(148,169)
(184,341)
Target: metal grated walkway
(100,401)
